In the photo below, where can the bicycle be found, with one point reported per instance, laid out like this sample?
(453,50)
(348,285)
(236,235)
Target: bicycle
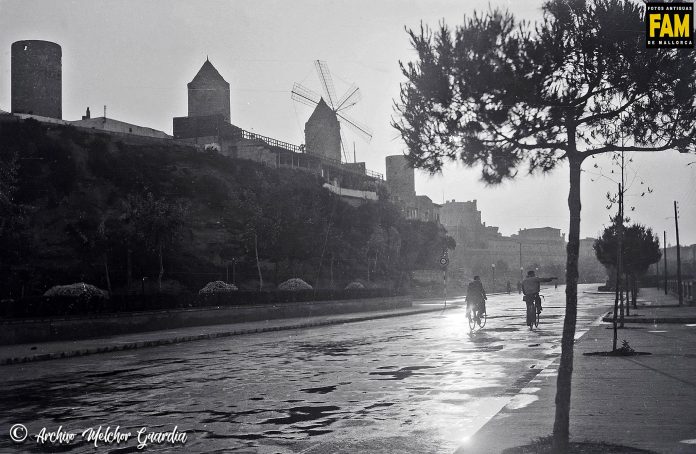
(533,309)
(476,317)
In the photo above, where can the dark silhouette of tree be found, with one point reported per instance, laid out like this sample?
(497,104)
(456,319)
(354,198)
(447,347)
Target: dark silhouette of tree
(159,223)
(496,93)
(641,248)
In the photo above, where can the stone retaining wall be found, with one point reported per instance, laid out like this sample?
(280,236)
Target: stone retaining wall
(74,328)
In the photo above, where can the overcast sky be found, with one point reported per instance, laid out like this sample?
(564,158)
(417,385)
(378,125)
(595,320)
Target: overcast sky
(136,57)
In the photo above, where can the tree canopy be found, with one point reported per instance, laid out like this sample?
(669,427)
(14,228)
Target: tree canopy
(641,248)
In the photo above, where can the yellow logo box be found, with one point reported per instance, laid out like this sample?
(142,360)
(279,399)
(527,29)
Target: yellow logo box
(669,25)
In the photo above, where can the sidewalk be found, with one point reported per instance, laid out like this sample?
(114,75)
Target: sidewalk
(21,353)
(642,401)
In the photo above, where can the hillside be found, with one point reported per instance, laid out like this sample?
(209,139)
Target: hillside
(110,210)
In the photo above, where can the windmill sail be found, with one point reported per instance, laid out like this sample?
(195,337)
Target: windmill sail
(323,134)
(326,83)
(304,95)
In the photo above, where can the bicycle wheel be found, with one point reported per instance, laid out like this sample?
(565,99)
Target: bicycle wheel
(472,321)
(483,321)
(536,318)
(530,315)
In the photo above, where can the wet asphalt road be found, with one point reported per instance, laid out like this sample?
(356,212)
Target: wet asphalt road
(419,384)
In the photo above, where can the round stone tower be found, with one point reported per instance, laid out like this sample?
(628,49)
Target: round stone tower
(36,78)
(400,178)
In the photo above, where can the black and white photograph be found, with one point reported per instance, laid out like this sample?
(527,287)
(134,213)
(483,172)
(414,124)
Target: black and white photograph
(347,226)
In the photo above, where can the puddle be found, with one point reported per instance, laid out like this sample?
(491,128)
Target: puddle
(402,373)
(320,390)
(302,414)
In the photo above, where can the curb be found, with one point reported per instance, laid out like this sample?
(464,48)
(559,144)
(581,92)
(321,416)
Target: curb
(176,340)
(652,320)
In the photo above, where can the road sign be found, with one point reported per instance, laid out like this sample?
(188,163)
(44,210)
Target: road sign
(444,261)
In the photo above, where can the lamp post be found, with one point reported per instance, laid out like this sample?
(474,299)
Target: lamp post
(493,268)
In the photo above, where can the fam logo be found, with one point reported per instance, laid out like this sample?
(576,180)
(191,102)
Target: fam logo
(669,25)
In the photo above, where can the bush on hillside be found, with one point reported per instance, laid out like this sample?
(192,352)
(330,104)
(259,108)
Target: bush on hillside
(355,285)
(217,287)
(77,290)
(294,284)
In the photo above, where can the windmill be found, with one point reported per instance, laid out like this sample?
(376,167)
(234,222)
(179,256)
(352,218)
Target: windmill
(323,134)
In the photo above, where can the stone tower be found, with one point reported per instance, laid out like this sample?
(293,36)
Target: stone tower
(36,78)
(209,93)
(400,179)
(323,132)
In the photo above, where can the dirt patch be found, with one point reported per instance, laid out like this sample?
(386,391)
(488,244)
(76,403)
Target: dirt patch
(544,446)
(616,353)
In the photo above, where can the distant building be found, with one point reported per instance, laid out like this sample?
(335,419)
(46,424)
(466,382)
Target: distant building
(36,78)
(208,127)
(402,191)
(209,93)
(110,125)
(323,133)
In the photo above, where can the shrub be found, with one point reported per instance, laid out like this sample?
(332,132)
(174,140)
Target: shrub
(294,284)
(355,285)
(216,287)
(76,290)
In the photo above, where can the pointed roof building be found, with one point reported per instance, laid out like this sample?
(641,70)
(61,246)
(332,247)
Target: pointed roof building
(323,132)
(209,93)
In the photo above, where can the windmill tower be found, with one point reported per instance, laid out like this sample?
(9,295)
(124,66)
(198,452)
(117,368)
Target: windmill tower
(323,133)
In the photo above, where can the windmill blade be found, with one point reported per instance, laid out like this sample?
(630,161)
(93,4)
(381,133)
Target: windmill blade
(304,95)
(326,82)
(349,98)
(362,130)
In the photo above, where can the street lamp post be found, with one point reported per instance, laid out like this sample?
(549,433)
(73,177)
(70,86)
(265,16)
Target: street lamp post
(493,268)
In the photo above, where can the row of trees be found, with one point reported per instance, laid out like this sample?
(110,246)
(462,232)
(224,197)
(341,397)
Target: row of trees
(77,207)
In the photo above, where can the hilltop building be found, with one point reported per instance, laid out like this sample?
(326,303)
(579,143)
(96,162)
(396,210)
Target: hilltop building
(36,78)
(208,127)
(323,133)
(110,125)
(209,93)
(402,191)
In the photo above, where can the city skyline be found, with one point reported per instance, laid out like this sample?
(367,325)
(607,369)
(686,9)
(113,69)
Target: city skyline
(114,58)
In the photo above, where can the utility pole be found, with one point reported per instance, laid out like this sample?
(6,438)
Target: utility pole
(520,261)
(664,249)
(679,277)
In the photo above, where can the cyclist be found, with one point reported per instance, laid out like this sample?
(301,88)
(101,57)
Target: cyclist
(476,299)
(530,289)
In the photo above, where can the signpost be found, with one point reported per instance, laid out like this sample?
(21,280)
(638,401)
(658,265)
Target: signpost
(444,261)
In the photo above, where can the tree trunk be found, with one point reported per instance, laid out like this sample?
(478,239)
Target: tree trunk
(629,290)
(106,273)
(561,425)
(258,264)
(621,305)
(635,292)
(129,269)
(161,269)
(616,307)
